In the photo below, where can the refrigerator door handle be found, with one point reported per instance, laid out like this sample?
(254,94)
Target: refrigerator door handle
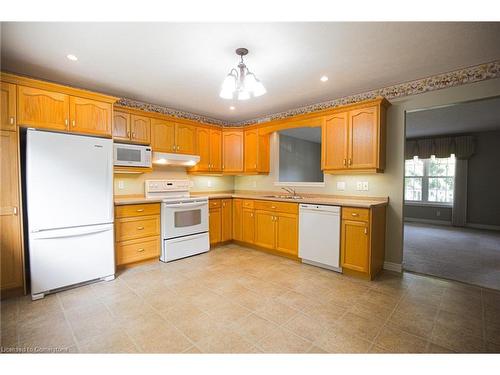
(71,232)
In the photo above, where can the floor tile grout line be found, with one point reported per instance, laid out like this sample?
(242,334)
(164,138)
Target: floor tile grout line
(61,305)
(434,321)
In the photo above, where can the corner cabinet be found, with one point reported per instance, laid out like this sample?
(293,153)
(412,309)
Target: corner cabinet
(354,140)
(363,241)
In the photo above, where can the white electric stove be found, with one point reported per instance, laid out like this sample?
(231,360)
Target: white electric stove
(184,219)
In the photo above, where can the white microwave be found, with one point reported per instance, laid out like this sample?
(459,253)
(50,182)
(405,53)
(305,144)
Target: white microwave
(131,155)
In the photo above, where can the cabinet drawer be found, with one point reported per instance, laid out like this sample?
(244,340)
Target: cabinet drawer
(132,210)
(137,250)
(351,213)
(292,208)
(214,203)
(136,227)
(247,203)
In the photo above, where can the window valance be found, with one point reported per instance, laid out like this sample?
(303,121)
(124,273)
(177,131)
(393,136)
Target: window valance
(463,146)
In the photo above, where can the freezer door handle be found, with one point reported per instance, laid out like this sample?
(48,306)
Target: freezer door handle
(70,232)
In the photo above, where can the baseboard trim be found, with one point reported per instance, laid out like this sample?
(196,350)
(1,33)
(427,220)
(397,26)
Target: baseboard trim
(396,267)
(482,226)
(427,221)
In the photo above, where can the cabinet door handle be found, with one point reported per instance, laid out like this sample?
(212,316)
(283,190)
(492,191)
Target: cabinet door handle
(273,206)
(66,122)
(178,148)
(12,120)
(133,134)
(128,134)
(354,214)
(366,231)
(350,161)
(255,166)
(251,215)
(140,228)
(73,123)
(140,250)
(140,210)
(14,210)
(345,162)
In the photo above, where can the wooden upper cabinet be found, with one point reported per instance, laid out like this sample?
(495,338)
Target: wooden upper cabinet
(256,152)
(202,149)
(162,135)
(355,245)
(140,129)
(232,151)
(215,150)
(8,106)
(364,139)
(43,109)
(185,138)
(121,126)
(90,116)
(354,140)
(335,141)
(11,249)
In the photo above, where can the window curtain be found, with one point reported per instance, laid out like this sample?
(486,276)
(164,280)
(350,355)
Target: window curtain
(463,146)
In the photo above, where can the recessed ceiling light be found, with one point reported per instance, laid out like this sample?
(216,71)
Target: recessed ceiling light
(72,57)
(323,78)
(232,108)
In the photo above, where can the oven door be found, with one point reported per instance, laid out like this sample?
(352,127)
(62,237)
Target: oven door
(184,219)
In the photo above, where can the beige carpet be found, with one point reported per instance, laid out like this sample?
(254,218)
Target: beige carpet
(463,254)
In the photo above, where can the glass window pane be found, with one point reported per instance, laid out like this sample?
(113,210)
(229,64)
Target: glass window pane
(414,167)
(413,189)
(441,189)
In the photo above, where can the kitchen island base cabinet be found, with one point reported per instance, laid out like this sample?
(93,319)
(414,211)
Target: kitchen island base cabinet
(363,241)
(137,233)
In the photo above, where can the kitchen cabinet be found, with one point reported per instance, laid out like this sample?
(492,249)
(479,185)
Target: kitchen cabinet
(42,109)
(232,151)
(121,126)
(11,244)
(256,152)
(185,138)
(140,129)
(209,148)
(8,106)
(276,226)
(354,140)
(362,240)
(215,221)
(248,225)
(237,219)
(162,135)
(90,116)
(226,220)
(137,233)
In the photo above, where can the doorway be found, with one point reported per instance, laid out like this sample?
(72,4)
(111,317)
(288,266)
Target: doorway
(451,184)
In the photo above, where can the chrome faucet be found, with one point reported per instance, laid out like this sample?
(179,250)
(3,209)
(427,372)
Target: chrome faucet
(290,191)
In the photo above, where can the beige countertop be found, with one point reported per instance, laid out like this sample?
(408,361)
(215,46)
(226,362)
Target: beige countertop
(331,200)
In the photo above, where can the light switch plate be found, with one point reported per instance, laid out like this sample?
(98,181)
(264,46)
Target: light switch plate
(365,185)
(341,185)
(121,184)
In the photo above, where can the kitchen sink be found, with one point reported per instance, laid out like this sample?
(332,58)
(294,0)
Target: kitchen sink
(283,196)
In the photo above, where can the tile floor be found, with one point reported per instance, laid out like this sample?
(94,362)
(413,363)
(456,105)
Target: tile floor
(234,299)
(464,254)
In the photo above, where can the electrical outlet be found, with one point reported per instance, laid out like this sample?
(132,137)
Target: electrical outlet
(359,185)
(209,183)
(254,184)
(438,213)
(365,185)
(121,185)
(341,185)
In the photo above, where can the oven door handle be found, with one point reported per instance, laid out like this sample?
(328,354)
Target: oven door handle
(186,205)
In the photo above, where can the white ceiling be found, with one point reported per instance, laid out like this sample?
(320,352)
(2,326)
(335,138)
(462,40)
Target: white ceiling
(182,65)
(308,134)
(469,117)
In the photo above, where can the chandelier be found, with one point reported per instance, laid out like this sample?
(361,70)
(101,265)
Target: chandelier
(241,83)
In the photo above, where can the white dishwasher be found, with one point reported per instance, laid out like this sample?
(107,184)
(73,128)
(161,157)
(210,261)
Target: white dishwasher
(319,235)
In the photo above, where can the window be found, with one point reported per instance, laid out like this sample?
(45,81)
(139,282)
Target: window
(430,180)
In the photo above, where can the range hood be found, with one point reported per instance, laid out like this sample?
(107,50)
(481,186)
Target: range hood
(165,158)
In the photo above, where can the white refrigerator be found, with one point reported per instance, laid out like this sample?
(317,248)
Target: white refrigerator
(69,191)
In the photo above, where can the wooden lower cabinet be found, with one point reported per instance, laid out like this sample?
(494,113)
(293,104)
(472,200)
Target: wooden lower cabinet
(11,244)
(248,225)
(214,225)
(287,233)
(237,219)
(264,229)
(226,220)
(363,241)
(137,233)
